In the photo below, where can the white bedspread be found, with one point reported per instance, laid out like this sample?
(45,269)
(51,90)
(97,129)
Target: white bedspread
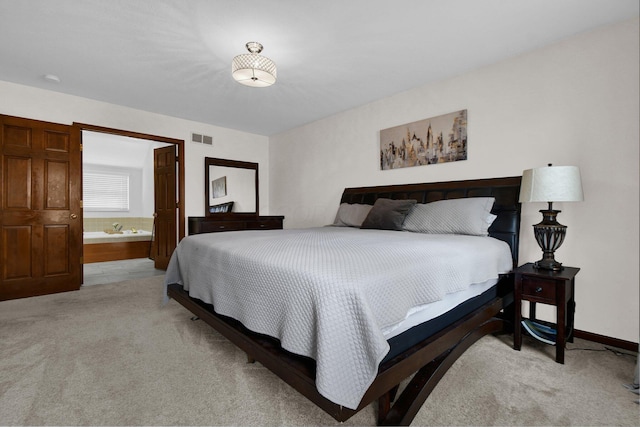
(327,292)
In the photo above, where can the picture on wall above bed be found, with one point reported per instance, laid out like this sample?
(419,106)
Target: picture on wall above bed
(438,139)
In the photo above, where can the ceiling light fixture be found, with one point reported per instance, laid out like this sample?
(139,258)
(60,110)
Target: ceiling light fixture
(253,69)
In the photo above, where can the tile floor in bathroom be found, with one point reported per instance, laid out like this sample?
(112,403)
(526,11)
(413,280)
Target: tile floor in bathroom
(117,271)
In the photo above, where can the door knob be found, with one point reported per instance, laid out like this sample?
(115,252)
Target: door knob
(73,216)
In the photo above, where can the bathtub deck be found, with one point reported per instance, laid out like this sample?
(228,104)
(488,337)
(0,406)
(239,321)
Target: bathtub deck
(101,252)
(95,237)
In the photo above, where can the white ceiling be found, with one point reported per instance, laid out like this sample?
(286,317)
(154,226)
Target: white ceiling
(174,56)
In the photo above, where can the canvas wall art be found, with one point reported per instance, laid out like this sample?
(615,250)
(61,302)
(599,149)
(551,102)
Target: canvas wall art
(219,187)
(439,139)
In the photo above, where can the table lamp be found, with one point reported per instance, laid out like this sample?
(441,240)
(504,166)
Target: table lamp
(550,184)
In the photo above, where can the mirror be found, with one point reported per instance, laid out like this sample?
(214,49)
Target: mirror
(231,187)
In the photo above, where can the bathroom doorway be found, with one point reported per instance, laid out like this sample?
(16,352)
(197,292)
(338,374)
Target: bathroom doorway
(119,206)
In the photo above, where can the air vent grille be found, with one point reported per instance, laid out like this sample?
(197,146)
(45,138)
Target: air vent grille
(202,139)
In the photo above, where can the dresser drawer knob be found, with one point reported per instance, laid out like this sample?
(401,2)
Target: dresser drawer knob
(539,289)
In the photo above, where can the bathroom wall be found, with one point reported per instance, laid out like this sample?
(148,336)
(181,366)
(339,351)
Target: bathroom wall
(106,223)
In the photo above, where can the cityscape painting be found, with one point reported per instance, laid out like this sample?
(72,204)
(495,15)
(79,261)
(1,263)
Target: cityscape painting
(439,139)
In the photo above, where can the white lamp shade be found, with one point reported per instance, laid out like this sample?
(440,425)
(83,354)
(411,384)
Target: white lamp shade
(253,70)
(551,184)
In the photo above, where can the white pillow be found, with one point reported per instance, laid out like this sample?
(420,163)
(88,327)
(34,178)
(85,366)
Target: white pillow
(453,216)
(351,215)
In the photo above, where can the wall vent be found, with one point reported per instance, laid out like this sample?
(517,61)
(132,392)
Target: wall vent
(202,139)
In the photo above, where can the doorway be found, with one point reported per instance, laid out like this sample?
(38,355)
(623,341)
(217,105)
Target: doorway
(140,232)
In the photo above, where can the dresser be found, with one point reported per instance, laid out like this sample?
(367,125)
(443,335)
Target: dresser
(214,224)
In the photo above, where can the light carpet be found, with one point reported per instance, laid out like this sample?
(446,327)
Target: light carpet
(112,355)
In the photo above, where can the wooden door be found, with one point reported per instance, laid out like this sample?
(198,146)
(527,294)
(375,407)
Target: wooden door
(40,208)
(165,238)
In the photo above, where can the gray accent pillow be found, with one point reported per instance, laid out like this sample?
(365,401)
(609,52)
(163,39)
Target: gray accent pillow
(388,214)
(453,216)
(351,214)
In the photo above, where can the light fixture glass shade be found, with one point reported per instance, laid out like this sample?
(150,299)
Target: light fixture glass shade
(253,69)
(551,184)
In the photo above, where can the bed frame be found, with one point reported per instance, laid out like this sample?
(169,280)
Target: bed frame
(429,359)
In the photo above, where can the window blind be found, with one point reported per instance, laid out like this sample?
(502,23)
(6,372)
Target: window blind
(105,191)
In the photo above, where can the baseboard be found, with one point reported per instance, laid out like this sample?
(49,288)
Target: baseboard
(601,339)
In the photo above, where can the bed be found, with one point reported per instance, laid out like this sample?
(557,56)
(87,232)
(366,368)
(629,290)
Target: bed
(327,340)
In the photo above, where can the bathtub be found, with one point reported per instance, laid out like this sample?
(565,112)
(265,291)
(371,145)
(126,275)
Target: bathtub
(99,246)
(92,237)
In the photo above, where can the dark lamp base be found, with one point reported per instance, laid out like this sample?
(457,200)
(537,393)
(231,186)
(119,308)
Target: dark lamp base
(545,264)
(549,235)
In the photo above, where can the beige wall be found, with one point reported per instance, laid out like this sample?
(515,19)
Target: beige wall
(38,104)
(572,103)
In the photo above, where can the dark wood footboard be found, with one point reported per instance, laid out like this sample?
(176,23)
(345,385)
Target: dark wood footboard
(430,358)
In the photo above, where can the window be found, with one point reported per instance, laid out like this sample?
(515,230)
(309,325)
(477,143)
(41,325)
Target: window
(105,191)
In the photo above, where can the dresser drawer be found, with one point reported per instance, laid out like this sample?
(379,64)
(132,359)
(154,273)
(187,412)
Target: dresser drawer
(233,222)
(217,226)
(267,224)
(537,289)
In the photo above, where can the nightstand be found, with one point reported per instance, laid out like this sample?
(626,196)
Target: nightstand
(546,287)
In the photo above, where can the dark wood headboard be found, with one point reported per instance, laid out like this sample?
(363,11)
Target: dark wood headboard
(506,191)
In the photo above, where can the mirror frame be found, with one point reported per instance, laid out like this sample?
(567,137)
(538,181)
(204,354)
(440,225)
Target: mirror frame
(212,161)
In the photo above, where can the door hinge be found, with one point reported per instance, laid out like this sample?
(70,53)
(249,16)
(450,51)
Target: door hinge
(81,205)
(81,260)
(80,147)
